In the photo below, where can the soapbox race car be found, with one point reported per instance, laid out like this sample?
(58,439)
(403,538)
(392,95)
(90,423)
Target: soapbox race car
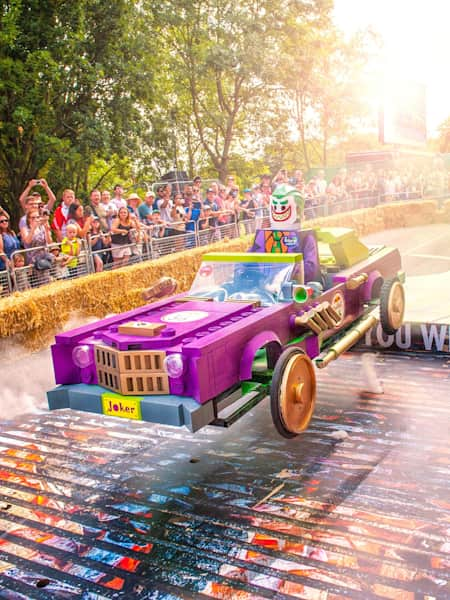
(252,324)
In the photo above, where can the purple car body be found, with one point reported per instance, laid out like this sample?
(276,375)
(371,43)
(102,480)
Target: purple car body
(202,346)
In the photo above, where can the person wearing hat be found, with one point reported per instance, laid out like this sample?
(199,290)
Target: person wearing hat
(133,202)
(146,208)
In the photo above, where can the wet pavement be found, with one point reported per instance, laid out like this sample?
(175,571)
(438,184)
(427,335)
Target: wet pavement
(357,507)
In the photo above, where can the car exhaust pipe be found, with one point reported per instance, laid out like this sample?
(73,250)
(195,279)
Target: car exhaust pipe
(349,339)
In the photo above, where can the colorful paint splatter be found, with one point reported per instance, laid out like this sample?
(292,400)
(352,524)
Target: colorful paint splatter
(95,508)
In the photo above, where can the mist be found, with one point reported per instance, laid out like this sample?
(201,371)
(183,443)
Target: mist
(28,376)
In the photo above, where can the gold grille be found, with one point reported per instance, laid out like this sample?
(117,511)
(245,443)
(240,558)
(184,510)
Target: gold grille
(131,373)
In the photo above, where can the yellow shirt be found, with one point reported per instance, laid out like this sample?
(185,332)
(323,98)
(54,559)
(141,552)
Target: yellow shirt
(71,247)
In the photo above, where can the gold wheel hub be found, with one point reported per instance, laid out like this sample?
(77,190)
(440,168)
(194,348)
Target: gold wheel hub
(297,394)
(396,305)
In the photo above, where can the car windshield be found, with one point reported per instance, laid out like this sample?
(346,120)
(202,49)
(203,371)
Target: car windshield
(252,281)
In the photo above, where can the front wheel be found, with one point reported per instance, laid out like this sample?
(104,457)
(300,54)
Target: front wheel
(293,392)
(392,305)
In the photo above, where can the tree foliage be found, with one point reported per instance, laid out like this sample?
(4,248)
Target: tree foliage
(96,89)
(72,82)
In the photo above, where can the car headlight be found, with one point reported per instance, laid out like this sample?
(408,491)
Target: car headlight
(82,356)
(174,365)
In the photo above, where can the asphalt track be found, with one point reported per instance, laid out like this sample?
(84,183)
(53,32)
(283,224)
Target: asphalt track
(357,507)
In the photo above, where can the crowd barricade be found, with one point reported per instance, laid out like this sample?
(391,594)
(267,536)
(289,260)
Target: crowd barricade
(256,218)
(262,218)
(223,225)
(167,239)
(44,264)
(6,283)
(400,196)
(107,256)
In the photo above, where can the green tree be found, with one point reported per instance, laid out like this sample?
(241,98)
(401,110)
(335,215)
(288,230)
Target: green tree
(74,76)
(220,58)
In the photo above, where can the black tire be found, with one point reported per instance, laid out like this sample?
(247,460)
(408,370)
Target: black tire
(392,306)
(276,391)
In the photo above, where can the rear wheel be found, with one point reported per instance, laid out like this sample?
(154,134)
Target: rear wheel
(293,392)
(392,305)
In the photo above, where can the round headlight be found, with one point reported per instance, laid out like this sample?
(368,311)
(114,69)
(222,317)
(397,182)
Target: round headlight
(173,365)
(82,356)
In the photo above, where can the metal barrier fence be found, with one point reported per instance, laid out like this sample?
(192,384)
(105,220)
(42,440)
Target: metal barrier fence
(6,286)
(33,267)
(97,253)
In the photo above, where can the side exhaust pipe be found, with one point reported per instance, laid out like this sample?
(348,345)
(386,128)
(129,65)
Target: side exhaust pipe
(349,339)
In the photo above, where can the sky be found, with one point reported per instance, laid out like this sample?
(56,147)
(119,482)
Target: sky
(416,44)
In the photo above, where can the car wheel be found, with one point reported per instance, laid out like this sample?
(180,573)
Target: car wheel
(293,392)
(392,305)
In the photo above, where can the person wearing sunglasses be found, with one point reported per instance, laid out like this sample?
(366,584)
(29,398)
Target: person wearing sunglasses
(9,242)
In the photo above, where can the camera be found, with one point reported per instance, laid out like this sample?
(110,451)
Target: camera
(45,212)
(38,182)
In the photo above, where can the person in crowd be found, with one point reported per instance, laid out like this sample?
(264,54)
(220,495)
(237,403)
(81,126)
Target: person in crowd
(230,184)
(106,211)
(117,200)
(31,202)
(206,223)
(71,246)
(9,242)
(247,210)
(335,193)
(193,210)
(145,209)
(35,236)
(298,179)
(266,190)
(178,214)
(59,268)
(30,185)
(157,228)
(120,237)
(20,273)
(61,214)
(97,244)
(321,185)
(133,202)
(231,204)
(280,178)
(210,201)
(247,204)
(77,216)
(260,205)
(223,217)
(310,196)
(165,206)
(95,200)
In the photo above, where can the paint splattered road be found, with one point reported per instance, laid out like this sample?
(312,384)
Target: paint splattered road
(358,507)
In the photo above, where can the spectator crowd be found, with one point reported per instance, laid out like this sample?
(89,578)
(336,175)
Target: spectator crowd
(52,239)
